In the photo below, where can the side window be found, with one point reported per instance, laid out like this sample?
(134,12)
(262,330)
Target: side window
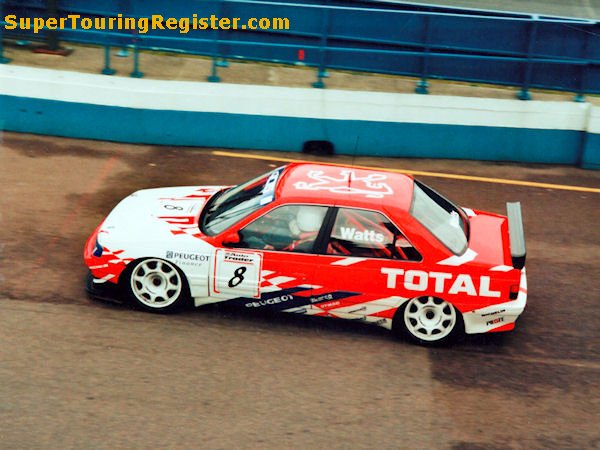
(368,234)
(291,228)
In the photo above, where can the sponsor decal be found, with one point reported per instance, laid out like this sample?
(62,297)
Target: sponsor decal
(187,259)
(266,199)
(352,234)
(186,256)
(236,274)
(371,186)
(493,313)
(269,301)
(329,305)
(439,282)
(321,298)
(292,298)
(495,321)
(269,188)
(241,258)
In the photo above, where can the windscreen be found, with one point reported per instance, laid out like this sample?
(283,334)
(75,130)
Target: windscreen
(240,201)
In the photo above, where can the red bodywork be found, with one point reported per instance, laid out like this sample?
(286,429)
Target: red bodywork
(488,239)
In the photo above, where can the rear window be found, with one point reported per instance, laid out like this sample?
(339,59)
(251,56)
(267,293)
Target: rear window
(441,217)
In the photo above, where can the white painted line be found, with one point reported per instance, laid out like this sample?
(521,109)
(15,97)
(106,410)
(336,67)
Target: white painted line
(347,261)
(455,260)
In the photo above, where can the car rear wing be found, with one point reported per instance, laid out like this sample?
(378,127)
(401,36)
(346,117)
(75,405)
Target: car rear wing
(518,251)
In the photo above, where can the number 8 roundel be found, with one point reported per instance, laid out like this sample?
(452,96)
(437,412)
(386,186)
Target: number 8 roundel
(238,277)
(236,273)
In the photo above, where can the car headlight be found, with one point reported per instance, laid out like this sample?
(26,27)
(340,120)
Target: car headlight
(97,249)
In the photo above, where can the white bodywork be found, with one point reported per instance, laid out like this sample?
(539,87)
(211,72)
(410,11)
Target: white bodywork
(158,223)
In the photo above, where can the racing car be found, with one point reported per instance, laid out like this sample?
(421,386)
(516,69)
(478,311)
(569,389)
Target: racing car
(321,240)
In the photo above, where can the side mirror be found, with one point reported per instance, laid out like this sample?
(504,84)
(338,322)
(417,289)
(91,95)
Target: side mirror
(231,239)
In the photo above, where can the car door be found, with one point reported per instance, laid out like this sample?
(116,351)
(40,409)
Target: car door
(362,247)
(273,264)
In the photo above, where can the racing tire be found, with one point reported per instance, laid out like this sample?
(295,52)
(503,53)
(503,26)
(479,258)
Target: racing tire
(428,321)
(156,285)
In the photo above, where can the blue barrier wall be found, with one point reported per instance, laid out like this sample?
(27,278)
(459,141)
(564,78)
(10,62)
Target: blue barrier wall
(426,42)
(247,131)
(259,117)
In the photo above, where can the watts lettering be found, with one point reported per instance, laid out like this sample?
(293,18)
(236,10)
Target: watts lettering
(439,282)
(352,234)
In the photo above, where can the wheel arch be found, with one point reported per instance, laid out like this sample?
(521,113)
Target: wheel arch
(125,277)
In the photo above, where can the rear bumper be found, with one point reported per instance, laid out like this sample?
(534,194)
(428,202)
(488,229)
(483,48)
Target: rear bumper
(500,317)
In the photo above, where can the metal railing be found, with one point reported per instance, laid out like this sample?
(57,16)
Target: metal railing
(366,36)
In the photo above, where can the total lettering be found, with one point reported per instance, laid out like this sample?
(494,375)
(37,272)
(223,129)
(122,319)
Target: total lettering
(442,283)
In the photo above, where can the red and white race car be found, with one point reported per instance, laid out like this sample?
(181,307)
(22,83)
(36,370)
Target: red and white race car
(320,240)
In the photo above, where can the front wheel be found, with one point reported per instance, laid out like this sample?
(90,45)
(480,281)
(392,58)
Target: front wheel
(157,285)
(428,320)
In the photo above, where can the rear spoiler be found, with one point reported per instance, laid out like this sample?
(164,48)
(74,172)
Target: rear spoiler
(517,235)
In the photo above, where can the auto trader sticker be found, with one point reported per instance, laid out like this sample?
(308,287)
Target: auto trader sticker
(236,274)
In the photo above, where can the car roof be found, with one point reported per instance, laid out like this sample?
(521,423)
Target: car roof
(345,186)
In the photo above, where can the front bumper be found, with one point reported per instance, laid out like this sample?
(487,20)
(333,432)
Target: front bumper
(500,317)
(108,292)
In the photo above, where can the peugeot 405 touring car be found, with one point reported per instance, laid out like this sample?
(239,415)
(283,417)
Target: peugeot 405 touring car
(321,240)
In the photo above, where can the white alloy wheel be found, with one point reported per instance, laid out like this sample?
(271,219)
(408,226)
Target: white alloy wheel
(429,319)
(156,284)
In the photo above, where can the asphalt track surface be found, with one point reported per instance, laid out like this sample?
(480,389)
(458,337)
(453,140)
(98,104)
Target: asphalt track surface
(77,373)
(585,9)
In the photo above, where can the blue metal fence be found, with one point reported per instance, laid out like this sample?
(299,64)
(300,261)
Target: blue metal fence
(383,37)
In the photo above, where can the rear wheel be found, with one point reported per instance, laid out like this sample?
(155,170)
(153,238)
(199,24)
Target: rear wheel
(428,320)
(157,285)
